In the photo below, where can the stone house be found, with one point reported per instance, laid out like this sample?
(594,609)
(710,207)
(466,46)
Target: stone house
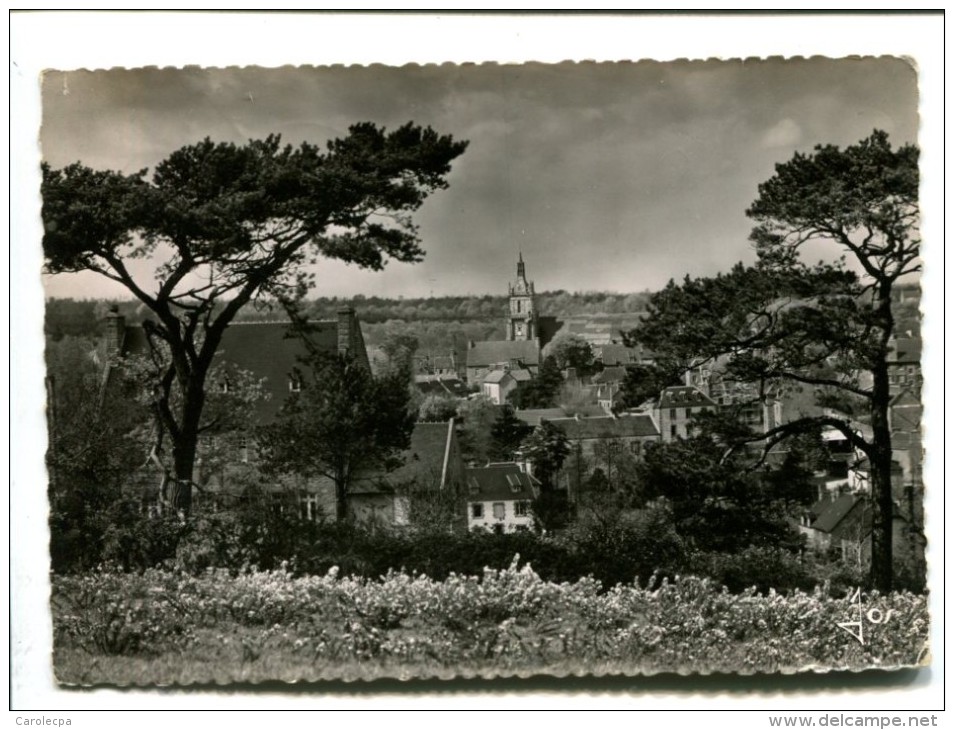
(677,406)
(499,497)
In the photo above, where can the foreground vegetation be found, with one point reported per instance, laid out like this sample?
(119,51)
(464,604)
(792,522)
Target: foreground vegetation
(167,626)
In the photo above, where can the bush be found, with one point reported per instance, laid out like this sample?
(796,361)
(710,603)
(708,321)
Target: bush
(509,618)
(763,569)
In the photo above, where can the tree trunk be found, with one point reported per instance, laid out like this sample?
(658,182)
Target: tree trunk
(341,501)
(183,455)
(882,548)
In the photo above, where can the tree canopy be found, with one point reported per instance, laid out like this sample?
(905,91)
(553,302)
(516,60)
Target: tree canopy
(344,422)
(218,226)
(784,325)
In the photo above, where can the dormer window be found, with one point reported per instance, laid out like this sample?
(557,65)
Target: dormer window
(514,481)
(294,384)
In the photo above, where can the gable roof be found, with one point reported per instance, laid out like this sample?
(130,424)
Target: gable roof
(268,350)
(684,396)
(638,425)
(614,354)
(436,385)
(497,376)
(533,416)
(427,461)
(490,352)
(830,516)
(612,374)
(906,350)
(521,375)
(498,482)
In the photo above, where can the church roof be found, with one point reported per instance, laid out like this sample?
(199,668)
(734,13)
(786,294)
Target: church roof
(491,352)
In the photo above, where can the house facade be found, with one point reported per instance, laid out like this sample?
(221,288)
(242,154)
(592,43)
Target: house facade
(676,408)
(270,353)
(499,497)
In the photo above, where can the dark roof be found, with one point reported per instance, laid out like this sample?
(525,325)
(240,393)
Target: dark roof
(606,427)
(614,354)
(424,460)
(906,350)
(831,515)
(441,386)
(684,396)
(497,376)
(533,416)
(498,482)
(266,349)
(491,352)
(612,374)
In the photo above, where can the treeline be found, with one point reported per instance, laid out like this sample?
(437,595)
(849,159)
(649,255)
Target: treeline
(439,323)
(84,317)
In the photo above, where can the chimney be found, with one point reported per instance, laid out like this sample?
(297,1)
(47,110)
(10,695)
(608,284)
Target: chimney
(346,331)
(115,333)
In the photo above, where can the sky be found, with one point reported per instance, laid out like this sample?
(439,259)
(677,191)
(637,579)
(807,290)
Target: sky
(606,176)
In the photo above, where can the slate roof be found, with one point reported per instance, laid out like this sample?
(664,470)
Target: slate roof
(533,416)
(266,349)
(831,516)
(490,352)
(614,354)
(612,374)
(906,350)
(426,461)
(521,375)
(433,385)
(684,396)
(498,482)
(639,425)
(497,376)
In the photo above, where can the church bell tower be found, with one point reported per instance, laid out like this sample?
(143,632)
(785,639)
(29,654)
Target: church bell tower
(522,324)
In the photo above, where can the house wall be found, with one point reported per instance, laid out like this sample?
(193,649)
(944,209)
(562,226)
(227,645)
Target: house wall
(675,422)
(510,521)
(381,508)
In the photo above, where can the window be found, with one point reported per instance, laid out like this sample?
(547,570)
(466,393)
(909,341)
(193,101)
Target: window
(294,384)
(224,386)
(672,431)
(521,509)
(637,447)
(672,413)
(309,507)
(499,510)
(477,511)
(514,481)
(243,449)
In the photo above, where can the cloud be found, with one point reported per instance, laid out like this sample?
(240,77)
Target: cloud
(787,133)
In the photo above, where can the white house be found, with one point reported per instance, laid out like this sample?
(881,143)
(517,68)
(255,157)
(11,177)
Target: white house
(498,497)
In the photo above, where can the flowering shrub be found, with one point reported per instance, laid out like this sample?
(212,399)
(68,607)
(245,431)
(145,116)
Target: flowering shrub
(508,618)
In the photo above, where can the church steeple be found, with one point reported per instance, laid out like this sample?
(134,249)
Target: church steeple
(522,324)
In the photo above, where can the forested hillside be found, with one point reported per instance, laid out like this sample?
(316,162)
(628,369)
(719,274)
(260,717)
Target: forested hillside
(439,323)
